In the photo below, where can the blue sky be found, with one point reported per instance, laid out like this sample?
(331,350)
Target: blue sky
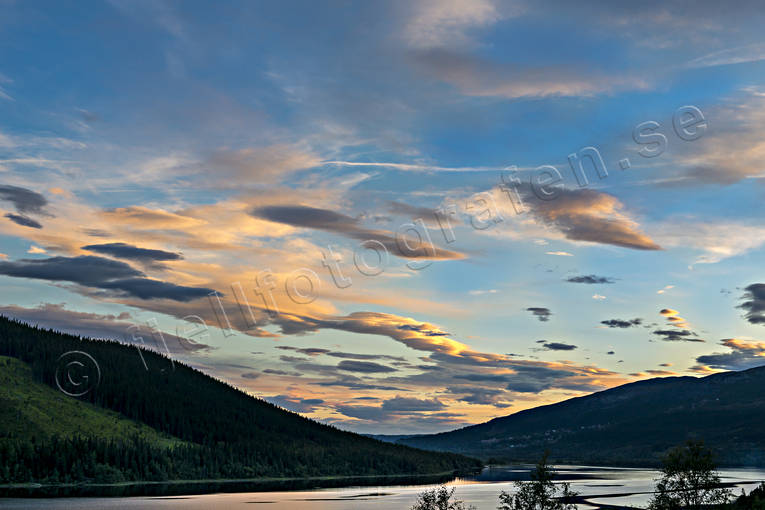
(333,173)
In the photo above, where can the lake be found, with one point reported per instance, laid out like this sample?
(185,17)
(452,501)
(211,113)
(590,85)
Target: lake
(598,485)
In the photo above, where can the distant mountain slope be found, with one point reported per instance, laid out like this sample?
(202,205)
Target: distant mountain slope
(30,409)
(632,424)
(226,433)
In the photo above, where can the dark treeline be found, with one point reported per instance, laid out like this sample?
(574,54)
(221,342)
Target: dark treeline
(67,460)
(227,432)
(57,460)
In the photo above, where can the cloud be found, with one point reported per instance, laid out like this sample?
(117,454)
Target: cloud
(101,273)
(134,226)
(401,404)
(24,221)
(250,375)
(440,23)
(272,371)
(393,410)
(744,354)
(355,383)
(557,346)
(412,333)
(538,378)
(673,335)
(410,424)
(130,252)
(618,323)
(366,413)
(661,373)
(316,351)
(730,56)
(258,165)
(575,214)
(591,279)
(716,240)
(482,377)
(308,351)
(121,327)
(655,373)
(476,76)
(330,221)
(662,25)
(477,395)
(481,292)
(295,404)
(560,253)
(352,355)
(431,217)
(543,314)
(456,360)
(674,319)
(703,370)
(146,218)
(414,167)
(733,151)
(754,304)
(592,216)
(24,200)
(366,367)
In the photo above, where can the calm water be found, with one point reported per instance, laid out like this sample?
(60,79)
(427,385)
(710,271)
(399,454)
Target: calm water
(609,486)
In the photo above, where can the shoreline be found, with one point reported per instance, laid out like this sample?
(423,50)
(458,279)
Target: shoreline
(172,488)
(199,487)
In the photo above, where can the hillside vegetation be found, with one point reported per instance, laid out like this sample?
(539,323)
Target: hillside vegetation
(30,410)
(203,428)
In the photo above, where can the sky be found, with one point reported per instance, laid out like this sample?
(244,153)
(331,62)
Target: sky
(394,217)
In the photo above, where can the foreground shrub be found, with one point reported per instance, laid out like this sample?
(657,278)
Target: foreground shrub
(439,499)
(541,493)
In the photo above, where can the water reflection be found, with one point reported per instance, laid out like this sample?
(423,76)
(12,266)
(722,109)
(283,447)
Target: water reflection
(599,487)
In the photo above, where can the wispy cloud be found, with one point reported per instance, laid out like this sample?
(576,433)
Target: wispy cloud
(260,165)
(435,24)
(731,56)
(476,76)
(331,221)
(482,292)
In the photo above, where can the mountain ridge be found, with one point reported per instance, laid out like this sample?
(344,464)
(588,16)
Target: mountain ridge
(599,428)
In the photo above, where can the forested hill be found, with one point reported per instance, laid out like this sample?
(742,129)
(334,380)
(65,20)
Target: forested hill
(633,424)
(213,430)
